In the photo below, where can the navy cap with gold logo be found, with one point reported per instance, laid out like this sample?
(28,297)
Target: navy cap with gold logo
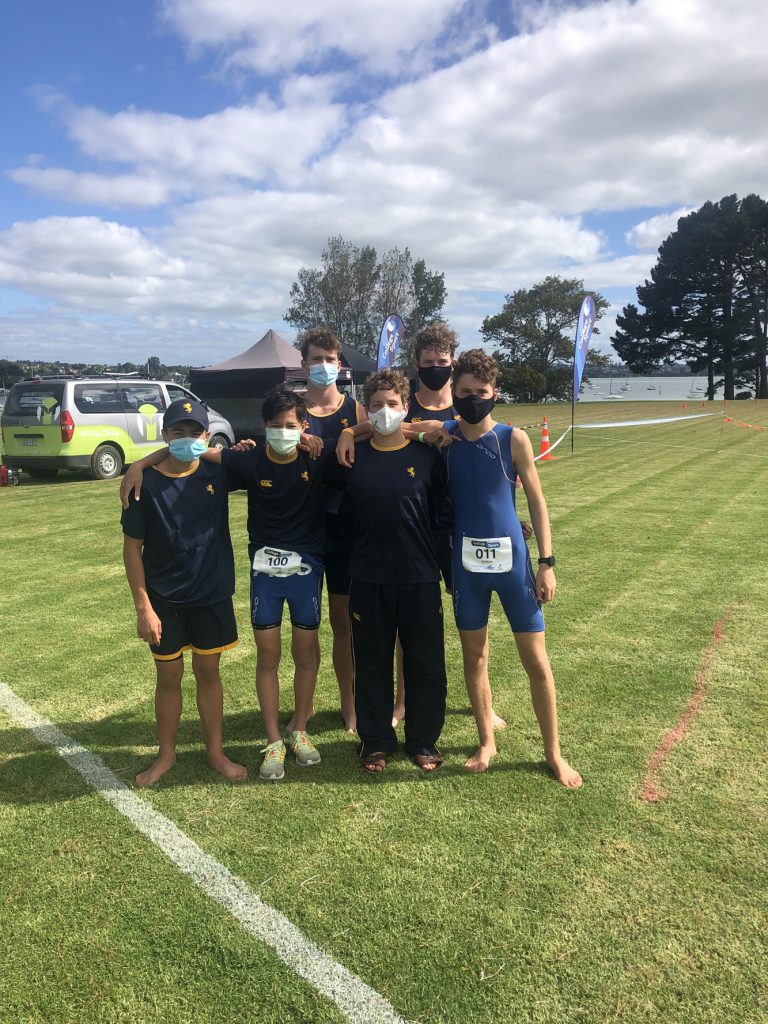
(185,409)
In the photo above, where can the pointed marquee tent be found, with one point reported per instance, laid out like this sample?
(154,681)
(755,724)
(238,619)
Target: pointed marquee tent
(237,387)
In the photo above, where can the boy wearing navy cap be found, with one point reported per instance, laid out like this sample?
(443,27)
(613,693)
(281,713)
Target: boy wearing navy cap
(180,567)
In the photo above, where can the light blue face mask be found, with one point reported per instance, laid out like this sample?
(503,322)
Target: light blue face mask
(187,449)
(323,374)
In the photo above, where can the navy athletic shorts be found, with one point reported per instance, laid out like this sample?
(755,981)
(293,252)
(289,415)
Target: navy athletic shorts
(204,629)
(338,551)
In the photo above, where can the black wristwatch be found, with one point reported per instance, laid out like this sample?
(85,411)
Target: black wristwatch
(548,561)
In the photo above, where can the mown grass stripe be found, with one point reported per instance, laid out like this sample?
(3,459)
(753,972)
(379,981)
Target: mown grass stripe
(359,1003)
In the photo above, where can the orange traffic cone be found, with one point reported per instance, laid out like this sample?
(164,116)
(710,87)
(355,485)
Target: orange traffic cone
(545,456)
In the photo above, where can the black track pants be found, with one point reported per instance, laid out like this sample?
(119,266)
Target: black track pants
(380,611)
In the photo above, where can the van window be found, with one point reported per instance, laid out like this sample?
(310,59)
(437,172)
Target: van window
(175,393)
(98,398)
(138,395)
(41,401)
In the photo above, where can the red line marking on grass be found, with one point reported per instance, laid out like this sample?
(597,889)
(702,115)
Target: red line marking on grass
(651,792)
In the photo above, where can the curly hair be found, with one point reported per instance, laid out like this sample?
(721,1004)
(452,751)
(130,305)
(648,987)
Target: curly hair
(438,336)
(386,380)
(478,363)
(323,337)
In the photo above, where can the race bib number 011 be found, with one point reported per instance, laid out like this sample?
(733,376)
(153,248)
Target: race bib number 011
(487,554)
(276,562)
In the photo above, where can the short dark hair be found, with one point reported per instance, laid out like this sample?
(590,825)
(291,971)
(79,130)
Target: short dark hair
(322,337)
(478,363)
(438,336)
(283,400)
(386,380)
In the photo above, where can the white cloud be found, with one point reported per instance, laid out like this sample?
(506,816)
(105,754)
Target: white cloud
(649,234)
(115,190)
(251,143)
(274,37)
(485,168)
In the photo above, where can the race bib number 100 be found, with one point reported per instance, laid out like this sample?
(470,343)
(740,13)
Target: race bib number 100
(276,562)
(487,554)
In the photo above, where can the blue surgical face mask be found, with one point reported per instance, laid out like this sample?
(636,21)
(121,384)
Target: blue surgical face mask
(187,449)
(323,374)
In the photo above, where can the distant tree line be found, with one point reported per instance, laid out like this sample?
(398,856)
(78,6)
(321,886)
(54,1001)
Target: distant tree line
(706,302)
(15,370)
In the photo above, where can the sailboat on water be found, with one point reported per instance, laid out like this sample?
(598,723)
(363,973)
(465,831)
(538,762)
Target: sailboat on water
(610,397)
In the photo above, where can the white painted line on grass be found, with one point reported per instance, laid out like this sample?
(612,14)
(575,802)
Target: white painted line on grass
(645,423)
(357,1002)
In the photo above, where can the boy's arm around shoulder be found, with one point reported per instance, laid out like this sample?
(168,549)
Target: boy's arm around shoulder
(345,448)
(134,475)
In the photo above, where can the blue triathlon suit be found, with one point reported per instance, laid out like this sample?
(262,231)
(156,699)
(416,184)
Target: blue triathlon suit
(339,521)
(481,482)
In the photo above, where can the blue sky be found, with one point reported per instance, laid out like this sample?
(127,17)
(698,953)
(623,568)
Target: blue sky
(168,165)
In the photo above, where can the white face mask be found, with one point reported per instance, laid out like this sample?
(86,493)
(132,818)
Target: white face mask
(386,420)
(282,440)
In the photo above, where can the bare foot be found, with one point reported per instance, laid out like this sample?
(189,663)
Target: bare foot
(231,771)
(481,759)
(563,772)
(156,771)
(497,721)
(398,714)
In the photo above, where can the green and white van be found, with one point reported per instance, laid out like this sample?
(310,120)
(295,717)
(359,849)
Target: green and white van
(99,424)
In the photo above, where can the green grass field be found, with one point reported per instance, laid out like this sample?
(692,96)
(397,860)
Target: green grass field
(462,899)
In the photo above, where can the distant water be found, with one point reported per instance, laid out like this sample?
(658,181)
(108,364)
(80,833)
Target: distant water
(647,389)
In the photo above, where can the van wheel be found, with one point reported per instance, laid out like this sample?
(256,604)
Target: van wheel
(106,463)
(219,441)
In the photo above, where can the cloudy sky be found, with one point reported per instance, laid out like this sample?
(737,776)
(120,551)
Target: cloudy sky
(168,165)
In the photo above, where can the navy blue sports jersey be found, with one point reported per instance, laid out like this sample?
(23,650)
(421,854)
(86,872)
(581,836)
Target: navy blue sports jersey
(329,426)
(417,412)
(395,492)
(184,523)
(285,499)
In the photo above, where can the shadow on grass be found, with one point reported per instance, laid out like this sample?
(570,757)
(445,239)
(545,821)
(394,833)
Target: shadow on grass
(31,774)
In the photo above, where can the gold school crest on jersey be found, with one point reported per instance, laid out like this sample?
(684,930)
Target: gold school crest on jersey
(305,475)
(411,471)
(344,421)
(210,489)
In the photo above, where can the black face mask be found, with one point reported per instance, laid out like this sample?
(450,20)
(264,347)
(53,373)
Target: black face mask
(472,408)
(434,377)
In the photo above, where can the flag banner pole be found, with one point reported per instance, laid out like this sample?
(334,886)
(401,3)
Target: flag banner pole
(584,327)
(390,336)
